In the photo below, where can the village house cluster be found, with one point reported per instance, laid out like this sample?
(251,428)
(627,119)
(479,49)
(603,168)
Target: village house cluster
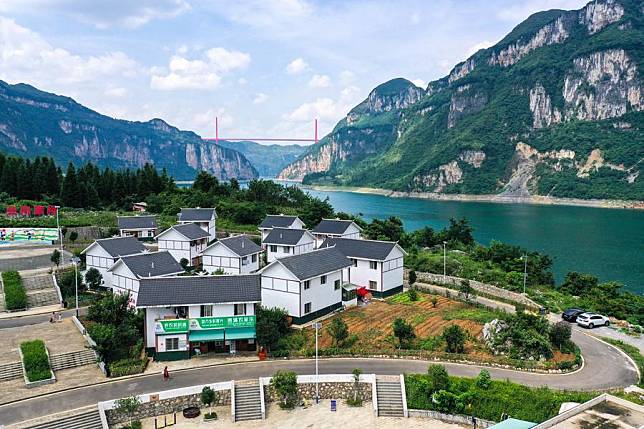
(308,273)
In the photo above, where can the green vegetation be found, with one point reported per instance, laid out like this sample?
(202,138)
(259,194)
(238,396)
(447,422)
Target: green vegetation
(271,325)
(15,296)
(127,407)
(633,352)
(476,314)
(338,330)
(485,398)
(35,360)
(454,337)
(404,332)
(284,383)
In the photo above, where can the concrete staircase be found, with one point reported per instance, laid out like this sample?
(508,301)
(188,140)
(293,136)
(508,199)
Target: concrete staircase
(10,371)
(42,298)
(247,402)
(86,420)
(72,359)
(38,283)
(389,395)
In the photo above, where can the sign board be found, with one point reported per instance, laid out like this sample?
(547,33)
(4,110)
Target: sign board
(177,326)
(28,235)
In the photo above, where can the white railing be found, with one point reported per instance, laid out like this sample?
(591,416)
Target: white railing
(404,395)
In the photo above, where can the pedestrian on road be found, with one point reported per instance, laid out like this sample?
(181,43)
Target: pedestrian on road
(52,319)
(166,374)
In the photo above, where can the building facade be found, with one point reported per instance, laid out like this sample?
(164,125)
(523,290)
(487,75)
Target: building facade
(335,228)
(204,218)
(141,227)
(283,242)
(102,254)
(233,255)
(185,241)
(279,221)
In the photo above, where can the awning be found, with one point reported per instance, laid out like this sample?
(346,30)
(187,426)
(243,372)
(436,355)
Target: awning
(240,333)
(206,335)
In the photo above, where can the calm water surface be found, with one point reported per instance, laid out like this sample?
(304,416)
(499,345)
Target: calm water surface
(608,243)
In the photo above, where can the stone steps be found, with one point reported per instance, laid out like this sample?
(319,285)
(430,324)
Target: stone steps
(87,420)
(247,403)
(42,298)
(390,402)
(73,359)
(10,371)
(38,283)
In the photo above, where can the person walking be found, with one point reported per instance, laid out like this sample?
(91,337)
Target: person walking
(166,374)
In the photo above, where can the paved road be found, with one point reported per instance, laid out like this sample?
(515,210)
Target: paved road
(605,368)
(36,318)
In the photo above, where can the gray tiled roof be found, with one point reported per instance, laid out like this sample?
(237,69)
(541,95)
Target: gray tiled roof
(121,246)
(240,244)
(332,226)
(316,263)
(191,231)
(191,290)
(152,264)
(196,215)
(277,221)
(363,249)
(137,222)
(286,236)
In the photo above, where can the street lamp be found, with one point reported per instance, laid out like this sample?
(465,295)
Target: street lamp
(445,262)
(75,260)
(60,233)
(317,327)
(525,270)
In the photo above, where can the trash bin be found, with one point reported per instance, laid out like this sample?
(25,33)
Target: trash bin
(333,405)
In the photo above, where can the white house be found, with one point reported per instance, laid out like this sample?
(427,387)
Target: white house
(188,315)
(137,226)
(279,221)
(281,242)
(376,265)
(129,270)
(204,218)
(335,228)
(102,254)
(234,255)
(184,241)
(307,286)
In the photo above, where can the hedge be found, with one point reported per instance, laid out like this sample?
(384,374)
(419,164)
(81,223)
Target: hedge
(35,360)
(123,367)
(14,293)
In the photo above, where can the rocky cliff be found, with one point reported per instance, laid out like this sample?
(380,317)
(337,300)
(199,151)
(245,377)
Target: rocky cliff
(34,122)
(555,108)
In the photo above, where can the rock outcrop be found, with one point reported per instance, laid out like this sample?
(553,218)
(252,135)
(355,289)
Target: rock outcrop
(600,13)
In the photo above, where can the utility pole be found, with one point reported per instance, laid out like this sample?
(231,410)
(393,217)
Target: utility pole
(445,262)
(525,270)
(317,327)
(60,233)
(75,261)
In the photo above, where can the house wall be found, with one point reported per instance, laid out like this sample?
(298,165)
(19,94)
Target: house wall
(219,256)
(322,295)
(151,316)
(362,274)
(124,281)
(139,233)
(281,289)
(97,257)
(393,270)
(180,247)
(306,244)
(206,226)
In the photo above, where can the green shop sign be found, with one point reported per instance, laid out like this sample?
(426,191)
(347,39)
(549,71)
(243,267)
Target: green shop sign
(171,326)
(222,322)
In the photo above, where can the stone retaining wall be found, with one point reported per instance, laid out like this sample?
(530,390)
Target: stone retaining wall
(477,286)
(327,391)
(166,406)
(451,418)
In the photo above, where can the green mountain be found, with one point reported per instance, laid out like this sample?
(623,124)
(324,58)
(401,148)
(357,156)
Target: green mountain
(555,108)
(35,123)
(269,160)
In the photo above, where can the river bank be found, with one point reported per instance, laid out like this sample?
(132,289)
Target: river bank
(536,199)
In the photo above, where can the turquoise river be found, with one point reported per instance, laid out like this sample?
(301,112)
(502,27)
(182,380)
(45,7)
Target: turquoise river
(608,243)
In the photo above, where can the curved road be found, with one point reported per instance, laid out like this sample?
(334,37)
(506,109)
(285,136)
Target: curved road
(605,367)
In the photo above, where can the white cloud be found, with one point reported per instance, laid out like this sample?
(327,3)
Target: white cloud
(297,66)
(242,81)
(419,83)
(320,81)
(26,57)
(327,110)
(204,73)
(260,98)
(206,120)
(481,45)
(116,92)
(103,14)
(347,77)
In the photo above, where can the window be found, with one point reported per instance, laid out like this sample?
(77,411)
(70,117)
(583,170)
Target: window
(253,258)
(206,311)
(287,249)
(273,248)
(307,284)
(336,285)
(373,265)
(240,309)
(171,344)
(307,308)
(355,262)
(245,260)
(323,280)
(372,284)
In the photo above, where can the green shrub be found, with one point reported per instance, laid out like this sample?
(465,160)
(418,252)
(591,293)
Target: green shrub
(438,378)
(35,360)
(454,337)
(212,415)
(354,402)
(285,384)
(483,380)
(14,293)
(124,367)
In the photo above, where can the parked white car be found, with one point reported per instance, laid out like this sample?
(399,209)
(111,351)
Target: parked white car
(590,320)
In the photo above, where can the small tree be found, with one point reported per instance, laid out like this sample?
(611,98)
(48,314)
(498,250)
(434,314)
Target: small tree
(93,278)
(55,257)
(560,334)
(285,384)
(73,236)
(434,301)
(357,401)
(127,406)
(271,325)
(413,294)
(338,330)
(185,264)
(412,277)
(209,397)
(454,337)
(483,380)
(438,378)
(465,288)
(403,331)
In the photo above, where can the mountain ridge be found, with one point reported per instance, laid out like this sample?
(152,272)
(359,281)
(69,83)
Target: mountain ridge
(554,108)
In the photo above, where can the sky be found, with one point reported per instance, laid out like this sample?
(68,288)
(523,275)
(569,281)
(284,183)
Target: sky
(265,68)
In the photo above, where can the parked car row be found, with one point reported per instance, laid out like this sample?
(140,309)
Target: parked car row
(584,318)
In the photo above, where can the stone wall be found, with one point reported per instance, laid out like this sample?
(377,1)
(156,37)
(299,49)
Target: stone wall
(327,391)
(451,418)
(166,406)
(477,286)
